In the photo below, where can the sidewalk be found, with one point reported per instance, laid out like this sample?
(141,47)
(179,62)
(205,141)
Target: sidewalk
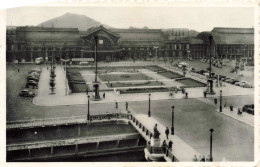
(245,117)
(181,150)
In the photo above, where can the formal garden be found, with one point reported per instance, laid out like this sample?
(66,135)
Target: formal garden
(127,79)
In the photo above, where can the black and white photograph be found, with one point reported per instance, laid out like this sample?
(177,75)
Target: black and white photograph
(130,84)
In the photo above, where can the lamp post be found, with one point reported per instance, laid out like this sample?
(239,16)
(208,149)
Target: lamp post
(211,158)
(210,81)
(156,47)
(96,84)
(220,101)
(172,129)
(149,106)
(88,116)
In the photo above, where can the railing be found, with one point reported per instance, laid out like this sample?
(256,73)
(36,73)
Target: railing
(156,150)
(170,155)
(66,120)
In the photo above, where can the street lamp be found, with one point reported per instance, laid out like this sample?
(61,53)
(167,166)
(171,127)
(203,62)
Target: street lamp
(220,101)
(156,47)
(88,116)
(172,129)
(149,109)
(211,158)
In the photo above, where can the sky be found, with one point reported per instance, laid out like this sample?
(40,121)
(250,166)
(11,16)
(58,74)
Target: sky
(196,18)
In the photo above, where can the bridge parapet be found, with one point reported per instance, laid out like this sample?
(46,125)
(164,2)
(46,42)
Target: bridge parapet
(67,120)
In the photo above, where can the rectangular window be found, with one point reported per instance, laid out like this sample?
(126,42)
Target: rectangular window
(101,41)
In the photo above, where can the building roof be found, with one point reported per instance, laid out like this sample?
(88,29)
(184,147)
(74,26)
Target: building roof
(33,28)
(188,40)
(140,43)
(139,34)
(96,29)
(230,36)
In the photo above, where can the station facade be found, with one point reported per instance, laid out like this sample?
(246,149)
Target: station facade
(27,43)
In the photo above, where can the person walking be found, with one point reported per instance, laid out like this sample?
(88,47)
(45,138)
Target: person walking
(18,70)
(167,131)
(164,143)
(116,105)
(155,128)
(203,159)
(231,107)
(205,94)
(104,95)
(186,95)
(170,145)
(126,106)
(215,101)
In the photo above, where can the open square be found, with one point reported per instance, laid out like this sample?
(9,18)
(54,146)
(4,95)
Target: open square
(81,90)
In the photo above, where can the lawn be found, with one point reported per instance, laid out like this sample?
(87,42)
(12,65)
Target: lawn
(75,77)
(170,74)
(123,77)
(155,68)
(134,84)
(77,87)
(190,83)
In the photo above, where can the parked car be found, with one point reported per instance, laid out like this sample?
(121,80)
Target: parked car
(32,82)
(240,83)
(224,79)
(26,93)
(229,80)
(32,78)
(234,81)
(249,108)
(246,85)
(202,71)
(232,70)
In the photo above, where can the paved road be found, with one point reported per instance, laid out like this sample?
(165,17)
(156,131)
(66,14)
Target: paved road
(232,139)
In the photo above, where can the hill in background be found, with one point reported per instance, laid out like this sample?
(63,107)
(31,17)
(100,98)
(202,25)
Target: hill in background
(70,20)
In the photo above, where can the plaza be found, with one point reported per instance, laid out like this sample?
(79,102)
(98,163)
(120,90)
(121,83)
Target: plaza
(231,134)
(106,94)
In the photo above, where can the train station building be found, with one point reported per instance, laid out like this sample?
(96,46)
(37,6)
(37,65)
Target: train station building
(24,44)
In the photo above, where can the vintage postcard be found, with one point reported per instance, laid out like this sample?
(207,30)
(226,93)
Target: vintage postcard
(159,84)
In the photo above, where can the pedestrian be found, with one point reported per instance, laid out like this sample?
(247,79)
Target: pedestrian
(215,101)
(239,111)
(231,107)
(116,105)
(126,106)
(203,159)
(155,128)
(186,95)
(104,95)
(170,145)
(195,158)
(164,143)
(47,68)
(18,69)
(205,94)
(167,132)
